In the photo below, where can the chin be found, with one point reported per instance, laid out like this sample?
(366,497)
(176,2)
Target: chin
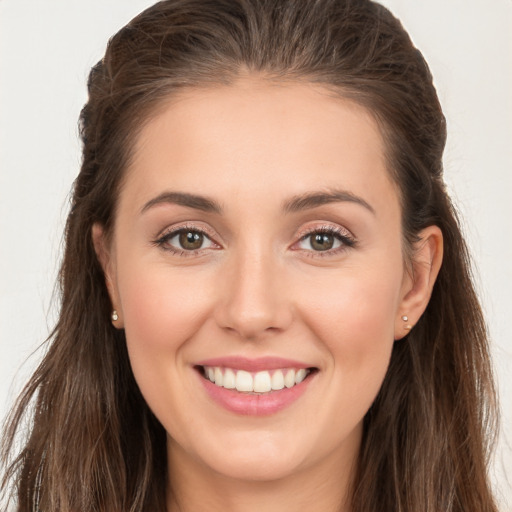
(256,468)
(252,456)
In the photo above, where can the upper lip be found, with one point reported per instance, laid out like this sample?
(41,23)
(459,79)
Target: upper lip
(253,365)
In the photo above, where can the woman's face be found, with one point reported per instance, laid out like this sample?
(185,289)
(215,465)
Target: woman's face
(258,243)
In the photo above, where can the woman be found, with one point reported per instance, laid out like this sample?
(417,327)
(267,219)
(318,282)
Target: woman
(266,300)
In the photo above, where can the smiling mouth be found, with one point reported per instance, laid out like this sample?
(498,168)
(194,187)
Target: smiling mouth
(261,382)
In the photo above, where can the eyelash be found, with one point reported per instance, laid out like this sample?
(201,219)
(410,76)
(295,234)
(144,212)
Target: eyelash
(342,235)
(163,241)
(347,241)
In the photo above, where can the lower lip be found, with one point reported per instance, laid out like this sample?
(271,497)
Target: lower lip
(262,404)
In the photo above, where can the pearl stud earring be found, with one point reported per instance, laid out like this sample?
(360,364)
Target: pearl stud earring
(408,327)
(114,316)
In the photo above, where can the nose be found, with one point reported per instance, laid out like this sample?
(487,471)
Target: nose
(253,300)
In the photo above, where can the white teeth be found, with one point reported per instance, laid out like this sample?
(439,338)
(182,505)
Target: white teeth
(262,382)
(277,380)
(300,376)
(259,382)
(218,377)
(229,379)
(289,378)
(244,381)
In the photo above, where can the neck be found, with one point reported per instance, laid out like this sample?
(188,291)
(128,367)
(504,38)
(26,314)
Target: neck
(322,487)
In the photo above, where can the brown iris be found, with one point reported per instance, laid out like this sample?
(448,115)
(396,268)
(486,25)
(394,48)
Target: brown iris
(322,241)
(191,240)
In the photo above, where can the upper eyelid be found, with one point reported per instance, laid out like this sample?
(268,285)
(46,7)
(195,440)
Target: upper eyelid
(330,228)
(177,228)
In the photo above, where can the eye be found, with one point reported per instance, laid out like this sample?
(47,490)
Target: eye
(326,239)
(185,240)
(189,240)
(320,242)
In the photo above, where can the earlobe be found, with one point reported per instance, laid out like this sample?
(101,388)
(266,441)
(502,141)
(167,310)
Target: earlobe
(421,276)
(104,255)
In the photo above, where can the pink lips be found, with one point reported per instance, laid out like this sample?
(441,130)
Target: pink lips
(253,365)
(252,404)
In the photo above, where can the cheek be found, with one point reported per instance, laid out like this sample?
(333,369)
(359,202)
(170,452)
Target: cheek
(161,311)
(355,323)
(355,306)
(161,308)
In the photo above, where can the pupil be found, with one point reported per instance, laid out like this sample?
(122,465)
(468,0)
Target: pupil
(191,240)
(322,241)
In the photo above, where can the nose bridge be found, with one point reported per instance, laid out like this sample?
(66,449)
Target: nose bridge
(253,301)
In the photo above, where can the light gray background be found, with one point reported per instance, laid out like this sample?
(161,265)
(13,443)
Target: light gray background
(46,50)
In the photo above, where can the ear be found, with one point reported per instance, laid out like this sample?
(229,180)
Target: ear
(107,262)
(419,279)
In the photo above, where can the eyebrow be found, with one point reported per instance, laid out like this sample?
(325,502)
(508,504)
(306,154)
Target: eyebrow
(316,199)
(295,204)
(197,202)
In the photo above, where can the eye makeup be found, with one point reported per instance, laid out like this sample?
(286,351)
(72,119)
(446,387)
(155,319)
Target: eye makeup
(193,240)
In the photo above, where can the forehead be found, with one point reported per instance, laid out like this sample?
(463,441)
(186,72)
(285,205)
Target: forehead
(259,139)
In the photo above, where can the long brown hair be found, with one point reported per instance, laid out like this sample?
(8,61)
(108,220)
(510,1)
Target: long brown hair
(93,444)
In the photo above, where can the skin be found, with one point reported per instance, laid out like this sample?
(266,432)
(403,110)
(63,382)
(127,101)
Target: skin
(259,288)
